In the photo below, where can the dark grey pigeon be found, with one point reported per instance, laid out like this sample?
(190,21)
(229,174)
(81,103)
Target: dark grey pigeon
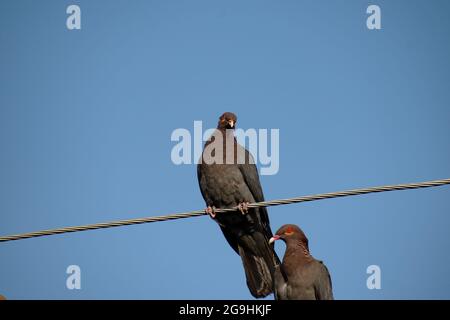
(300,276)
(228,178)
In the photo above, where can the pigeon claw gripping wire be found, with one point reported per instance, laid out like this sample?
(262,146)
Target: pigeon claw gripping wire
(243,207)
(211,211)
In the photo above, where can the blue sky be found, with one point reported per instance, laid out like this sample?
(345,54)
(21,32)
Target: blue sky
(86,118)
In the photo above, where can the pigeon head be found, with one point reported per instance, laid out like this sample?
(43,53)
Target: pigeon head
(227,121)
(290,233)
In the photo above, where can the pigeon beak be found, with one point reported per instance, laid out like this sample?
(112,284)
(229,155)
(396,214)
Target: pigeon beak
(274,238)
(231,123)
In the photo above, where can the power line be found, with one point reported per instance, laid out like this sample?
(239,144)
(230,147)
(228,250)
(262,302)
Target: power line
(197,213)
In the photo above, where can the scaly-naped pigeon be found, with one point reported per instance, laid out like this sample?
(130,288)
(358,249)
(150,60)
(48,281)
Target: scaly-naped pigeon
(228,178)
(300,276)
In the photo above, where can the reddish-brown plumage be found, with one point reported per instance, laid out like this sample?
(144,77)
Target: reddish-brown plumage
(225,121)
(300,276)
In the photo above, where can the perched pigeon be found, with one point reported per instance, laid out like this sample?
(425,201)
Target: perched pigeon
(228,178)
(300,277)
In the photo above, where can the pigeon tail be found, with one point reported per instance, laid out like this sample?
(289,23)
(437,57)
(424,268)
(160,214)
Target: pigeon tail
(259,261)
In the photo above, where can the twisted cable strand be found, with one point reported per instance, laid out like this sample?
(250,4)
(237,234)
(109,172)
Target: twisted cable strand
(197,213)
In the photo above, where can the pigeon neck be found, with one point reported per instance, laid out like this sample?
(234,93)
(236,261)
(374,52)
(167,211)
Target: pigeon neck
(298,246)
(228,136)
(227,132)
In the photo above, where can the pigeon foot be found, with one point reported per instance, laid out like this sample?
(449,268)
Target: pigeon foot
(243,207)
(211,211)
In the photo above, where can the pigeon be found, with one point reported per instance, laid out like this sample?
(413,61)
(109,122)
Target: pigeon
(300,276)
(228,178)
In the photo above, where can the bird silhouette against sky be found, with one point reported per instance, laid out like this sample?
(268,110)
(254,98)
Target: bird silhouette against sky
(231,180)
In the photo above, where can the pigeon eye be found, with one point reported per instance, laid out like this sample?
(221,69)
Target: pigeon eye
(289,231)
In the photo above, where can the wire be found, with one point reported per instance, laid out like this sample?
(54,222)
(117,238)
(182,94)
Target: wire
(198,213)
